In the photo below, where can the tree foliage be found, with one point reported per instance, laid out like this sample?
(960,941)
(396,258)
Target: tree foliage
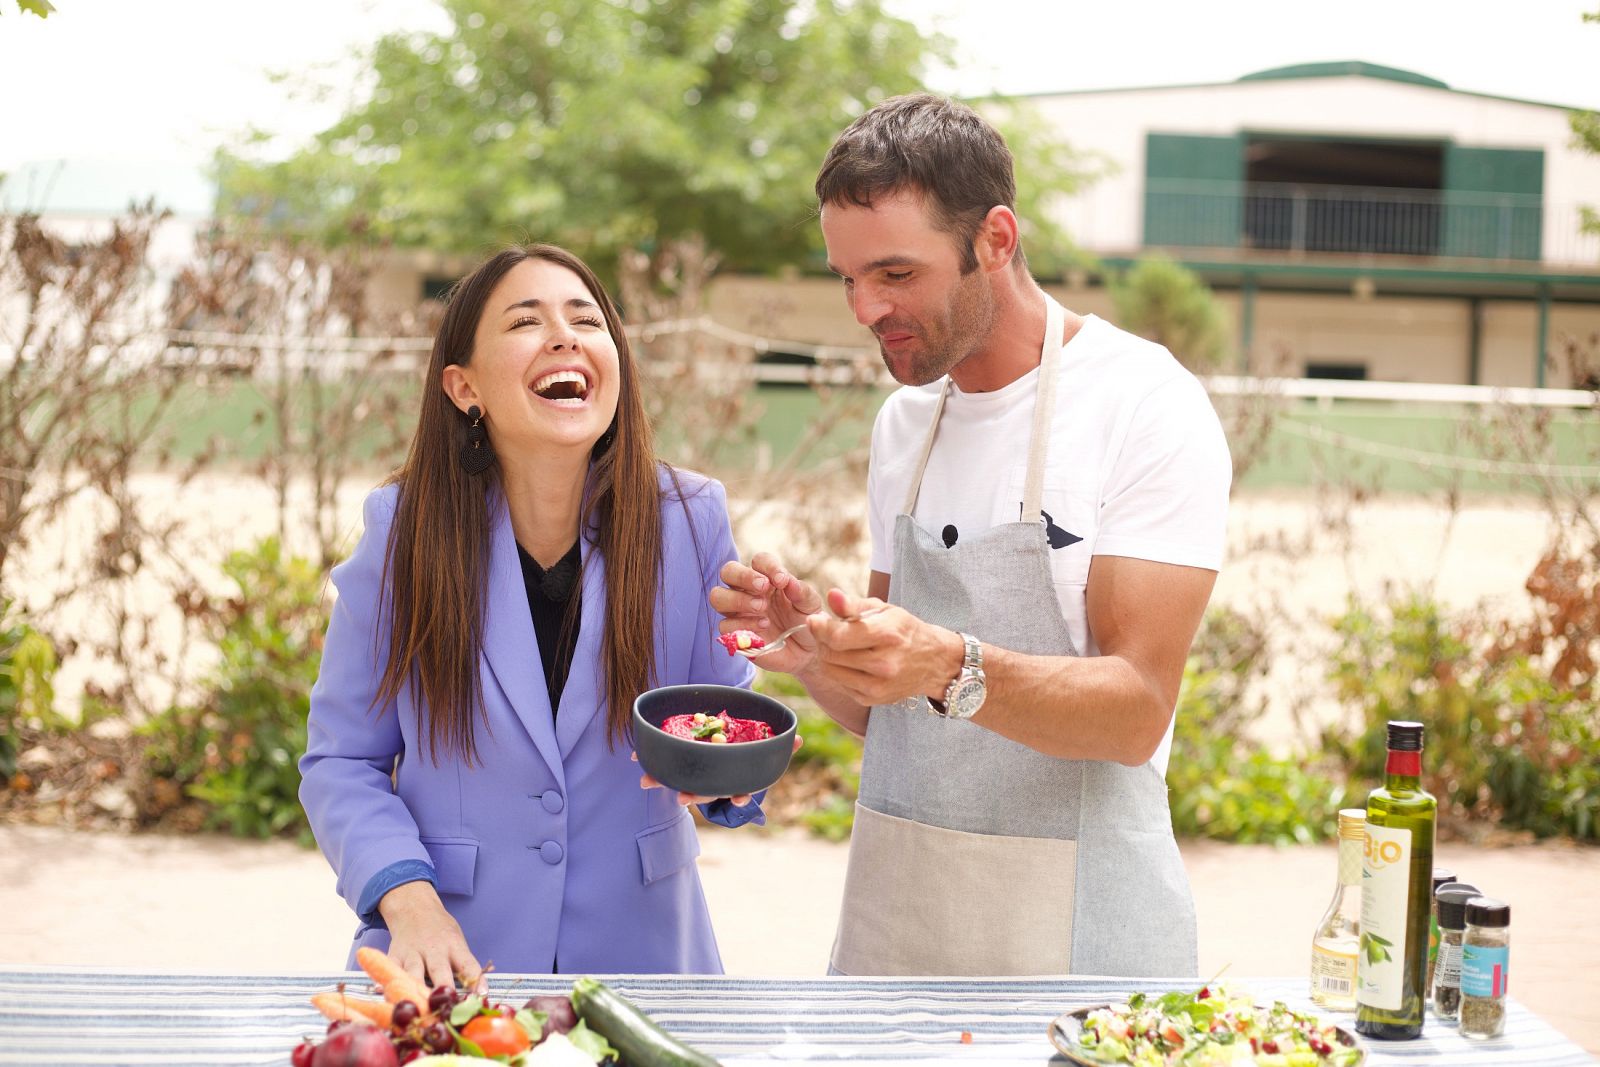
(612,125)
(1586,132)
(1164,301)
(603,124)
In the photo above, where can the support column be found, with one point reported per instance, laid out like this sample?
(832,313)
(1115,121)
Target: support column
(1247,321)
(1475,341)
(1544,332)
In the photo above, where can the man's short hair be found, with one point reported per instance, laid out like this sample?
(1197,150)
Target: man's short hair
(931,145)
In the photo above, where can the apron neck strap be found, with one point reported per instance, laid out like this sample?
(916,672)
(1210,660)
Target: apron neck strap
(927,449)
(1043,412)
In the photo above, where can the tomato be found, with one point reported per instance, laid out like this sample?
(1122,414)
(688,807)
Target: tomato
(497,1035)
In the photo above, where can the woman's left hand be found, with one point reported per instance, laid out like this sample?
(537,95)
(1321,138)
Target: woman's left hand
(688,799)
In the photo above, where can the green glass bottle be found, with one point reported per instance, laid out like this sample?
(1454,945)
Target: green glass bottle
(1396,884)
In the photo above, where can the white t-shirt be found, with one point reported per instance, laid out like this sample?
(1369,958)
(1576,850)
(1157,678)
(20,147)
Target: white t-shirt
(1138,466)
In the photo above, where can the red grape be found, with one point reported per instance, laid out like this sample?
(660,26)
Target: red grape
(442,999)
(405,1013)
(437,1037)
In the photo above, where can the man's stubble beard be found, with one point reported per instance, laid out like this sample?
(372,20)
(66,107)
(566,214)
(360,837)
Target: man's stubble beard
(962,331)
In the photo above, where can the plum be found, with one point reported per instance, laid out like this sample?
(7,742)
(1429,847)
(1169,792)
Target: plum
(354,1044)
(558,1008)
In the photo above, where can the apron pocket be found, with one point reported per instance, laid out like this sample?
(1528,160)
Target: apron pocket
(924,900)
(1135,915)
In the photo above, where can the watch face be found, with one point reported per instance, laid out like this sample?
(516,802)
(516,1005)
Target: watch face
(968,698)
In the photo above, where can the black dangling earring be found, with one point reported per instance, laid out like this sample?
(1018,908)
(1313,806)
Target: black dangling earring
(476,455)
(603,444)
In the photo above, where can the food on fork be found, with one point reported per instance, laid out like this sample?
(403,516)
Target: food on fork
(740,641)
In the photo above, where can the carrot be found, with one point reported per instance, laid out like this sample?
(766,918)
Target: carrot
(397,984)
(339,1007)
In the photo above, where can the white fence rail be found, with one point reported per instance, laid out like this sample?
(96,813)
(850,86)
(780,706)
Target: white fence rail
(333,356)
(1407,392)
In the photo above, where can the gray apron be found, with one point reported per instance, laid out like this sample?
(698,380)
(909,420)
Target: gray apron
(973,854)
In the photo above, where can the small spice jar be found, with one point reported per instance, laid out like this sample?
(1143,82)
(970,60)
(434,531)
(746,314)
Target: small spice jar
(1450,901)
(1485,967)
(1441,876)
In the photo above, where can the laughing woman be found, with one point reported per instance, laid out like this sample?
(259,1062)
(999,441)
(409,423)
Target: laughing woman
(528,572)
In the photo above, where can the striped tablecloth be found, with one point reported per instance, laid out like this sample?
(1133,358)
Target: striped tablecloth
(79,1016)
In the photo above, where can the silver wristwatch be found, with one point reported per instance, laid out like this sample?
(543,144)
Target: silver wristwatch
(965,694)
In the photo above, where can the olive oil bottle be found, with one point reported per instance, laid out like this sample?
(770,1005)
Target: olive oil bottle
(1396,884)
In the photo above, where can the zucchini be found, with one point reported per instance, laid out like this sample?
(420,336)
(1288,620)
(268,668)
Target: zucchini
(640,1042)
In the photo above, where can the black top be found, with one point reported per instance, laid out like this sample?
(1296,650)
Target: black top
(556,613)
(1487,911)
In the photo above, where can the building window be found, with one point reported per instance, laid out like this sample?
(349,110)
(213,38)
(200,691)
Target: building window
(436,288)
(1345,372)
(1319,195)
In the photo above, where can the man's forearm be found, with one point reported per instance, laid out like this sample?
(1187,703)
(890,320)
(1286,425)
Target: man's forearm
(840,707)
(1095,707)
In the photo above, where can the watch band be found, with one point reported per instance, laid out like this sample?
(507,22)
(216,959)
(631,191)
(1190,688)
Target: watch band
(973,660)
(971,664)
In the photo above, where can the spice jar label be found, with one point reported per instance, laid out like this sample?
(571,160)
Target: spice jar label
(1484,970)
(1385,892)
(1449,972)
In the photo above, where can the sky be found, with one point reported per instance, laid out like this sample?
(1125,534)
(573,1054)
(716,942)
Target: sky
(157,85)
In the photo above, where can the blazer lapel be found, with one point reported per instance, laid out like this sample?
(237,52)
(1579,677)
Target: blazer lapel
(509,644)
(584,694)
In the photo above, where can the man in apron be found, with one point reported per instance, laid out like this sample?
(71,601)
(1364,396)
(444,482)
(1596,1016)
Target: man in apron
(1048,499)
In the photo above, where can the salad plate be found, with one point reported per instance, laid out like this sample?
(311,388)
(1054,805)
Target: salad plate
(1211,1027)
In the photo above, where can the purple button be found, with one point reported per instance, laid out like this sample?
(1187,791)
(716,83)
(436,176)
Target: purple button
(551,799)
(551,852)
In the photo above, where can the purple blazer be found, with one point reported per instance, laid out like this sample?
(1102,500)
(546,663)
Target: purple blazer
(548,851)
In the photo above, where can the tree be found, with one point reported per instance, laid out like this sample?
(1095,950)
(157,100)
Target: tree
(1586,130)
(74,402)
(89,393)
(609,126)
(1166,302)
(602,124)
(293,324)
(42,8)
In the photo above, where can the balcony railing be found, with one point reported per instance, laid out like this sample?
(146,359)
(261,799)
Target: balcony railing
(1350,220)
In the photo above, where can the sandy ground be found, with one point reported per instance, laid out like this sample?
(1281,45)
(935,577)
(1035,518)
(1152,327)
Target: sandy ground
(217,904)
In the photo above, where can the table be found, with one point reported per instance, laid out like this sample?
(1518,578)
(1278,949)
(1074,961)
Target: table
(84,1016)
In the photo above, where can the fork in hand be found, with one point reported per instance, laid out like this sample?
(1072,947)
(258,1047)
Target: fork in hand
(783,638)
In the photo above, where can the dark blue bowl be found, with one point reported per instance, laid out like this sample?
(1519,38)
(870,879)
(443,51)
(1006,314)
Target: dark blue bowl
(706,769)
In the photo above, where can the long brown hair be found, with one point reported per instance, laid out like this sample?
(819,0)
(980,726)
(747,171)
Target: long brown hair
(437,563)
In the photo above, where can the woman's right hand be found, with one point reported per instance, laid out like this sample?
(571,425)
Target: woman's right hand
(768,599)
(426,940)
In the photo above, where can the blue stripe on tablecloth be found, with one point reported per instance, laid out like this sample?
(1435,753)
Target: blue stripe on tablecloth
(85,1016)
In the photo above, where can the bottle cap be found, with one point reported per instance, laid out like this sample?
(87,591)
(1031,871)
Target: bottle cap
(1452,898)
(1352,824)
(1405,736)
(1487,911)
(1441,875)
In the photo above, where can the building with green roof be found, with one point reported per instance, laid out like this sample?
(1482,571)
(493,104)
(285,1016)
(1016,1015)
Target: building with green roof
(1359,221)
